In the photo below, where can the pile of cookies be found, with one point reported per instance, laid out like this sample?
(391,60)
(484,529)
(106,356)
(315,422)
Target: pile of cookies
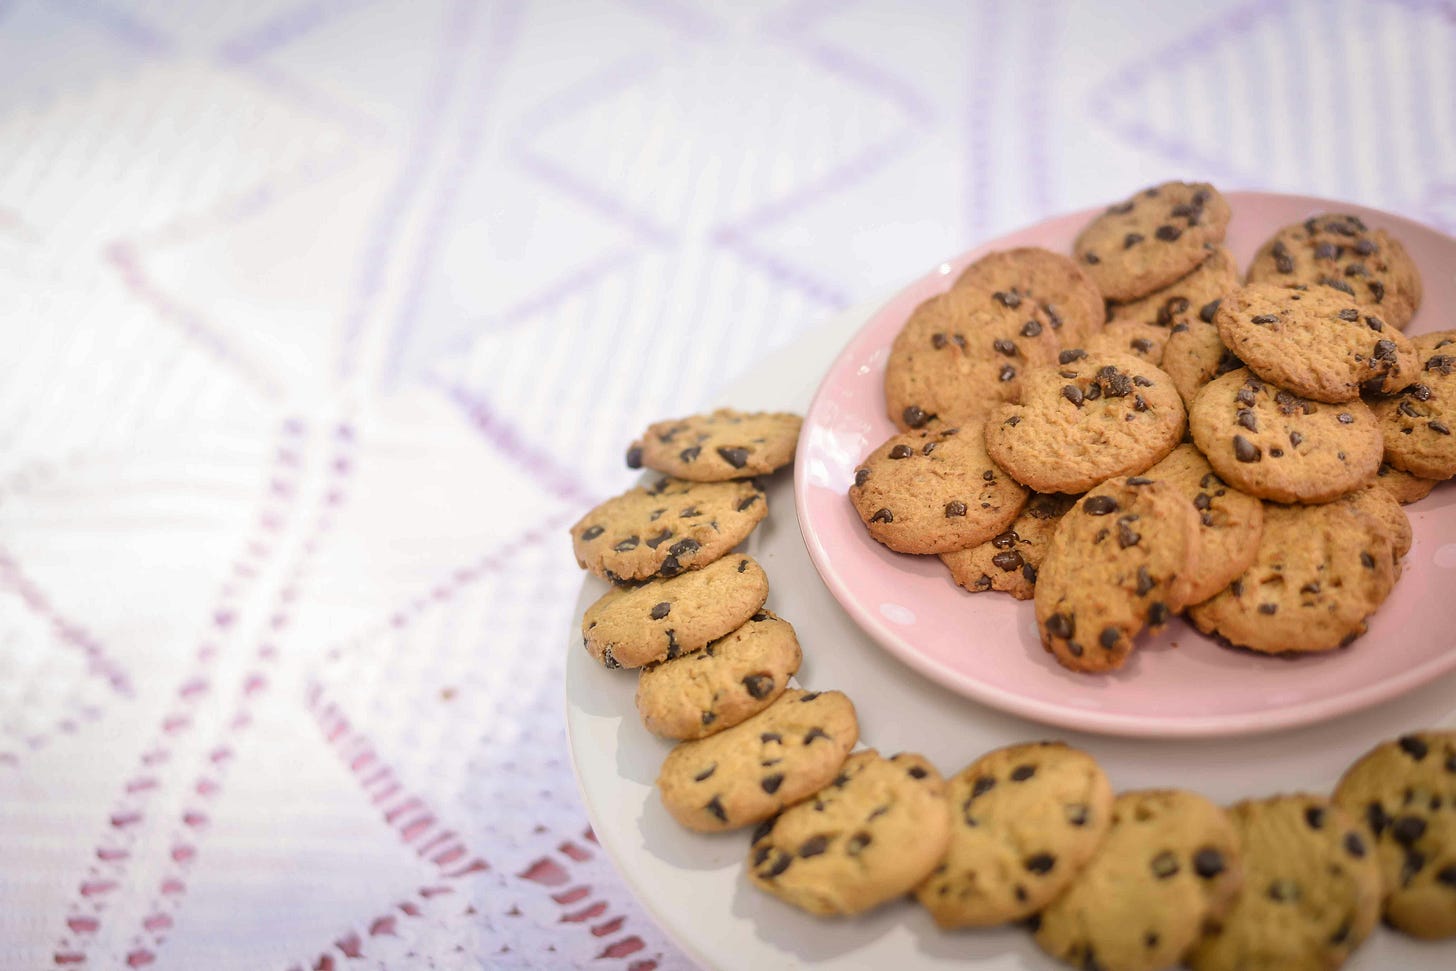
(1131,432)
(1030,833)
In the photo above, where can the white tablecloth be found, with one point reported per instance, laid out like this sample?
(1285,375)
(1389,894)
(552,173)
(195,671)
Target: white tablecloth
(323,319)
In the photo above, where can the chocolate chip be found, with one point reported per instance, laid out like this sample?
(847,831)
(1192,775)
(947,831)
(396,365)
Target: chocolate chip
(1208,863)
(745,502)
(1447,876)
(1407,829)
(1126,535)
(814,733)
(1354,845)
(1040,862)
(1295,438)
(1245,450)
(1439,427)
(1366,247)
(1013,421)
(1132,239)
(1315,817)
(1144,581)
(1003,346)
(736,457)
(1091,258)
(882,515)
(709,717)
(955,508)
(770,783)
(1246,397)
(653,542)
(716,808)
(1023,772)
(901,452)
(1246,419)
(691,453)
(591,533)
(770,737)
(1167,233)
(1377,290)
(1327,251)
(917,772)
(857,842)
(861,476)
(1006,299)
(982,785)
(1070,355)
(1031,328)
(1165,865)
(1413,746)
(760,686)
(1338,284)
(1266,319)
(1157,614)
(684,547)
(660,610)
(1109,637)
(915,416)
(1414,863)
(1073,394)
(1007,372)
(1376,818)
(813,846)
(630,543)
(1077,813)
(1099,505)
(1008,561)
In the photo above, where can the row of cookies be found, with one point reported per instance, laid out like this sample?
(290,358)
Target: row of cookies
(1110,411)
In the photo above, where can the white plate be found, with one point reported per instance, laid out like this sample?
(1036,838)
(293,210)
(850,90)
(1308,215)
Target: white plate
(694,885)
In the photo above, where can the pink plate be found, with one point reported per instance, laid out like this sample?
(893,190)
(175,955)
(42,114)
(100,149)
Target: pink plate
(985,646)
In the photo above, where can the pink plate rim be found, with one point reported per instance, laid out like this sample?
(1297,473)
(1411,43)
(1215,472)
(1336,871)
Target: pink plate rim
(1067,716)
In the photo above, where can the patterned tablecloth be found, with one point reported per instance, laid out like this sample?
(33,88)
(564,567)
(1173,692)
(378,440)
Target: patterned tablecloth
(323,318)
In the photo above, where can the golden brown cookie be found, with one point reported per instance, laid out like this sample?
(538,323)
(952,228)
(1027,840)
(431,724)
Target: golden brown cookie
(961,353)
(734,677)
(868,837)
(630,626)
(745,774)
(1405,790)
(1058,287)
(1184,297)
(1316,342)
(1311,889)
(1089,418)
(934,491)
(1229,522)
(1406,488)
(1009,560)
(1271,443)
(1419,423)
(1340,251)
(724,444)
(1195,354)
(1122,559)
(1132,337)
(1025,820)
(1152,239)
(1170,862)
(1320,572)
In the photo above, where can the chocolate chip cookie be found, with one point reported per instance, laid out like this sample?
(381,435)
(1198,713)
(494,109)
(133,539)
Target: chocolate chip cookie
(1089,418)
(1025,820)
(1341,252)
(934,491)
(1405,790)
(1122,559)
(727,681)
(1195,354)
(1320,572)
(1229,521)
(1063,292)
(1009,560)
(1170,861)
(666,527)
(1419,423)
(724,444)
(1274,444)
(1315,342)
(1311,889)
(1406,488)
(1183,298)
(866,838)
(1132,337)
(635,625)
(1152,239)
(963,352)
(745,774)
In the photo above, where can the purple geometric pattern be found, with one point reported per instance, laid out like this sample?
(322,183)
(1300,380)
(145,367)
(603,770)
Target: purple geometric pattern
(574,219)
